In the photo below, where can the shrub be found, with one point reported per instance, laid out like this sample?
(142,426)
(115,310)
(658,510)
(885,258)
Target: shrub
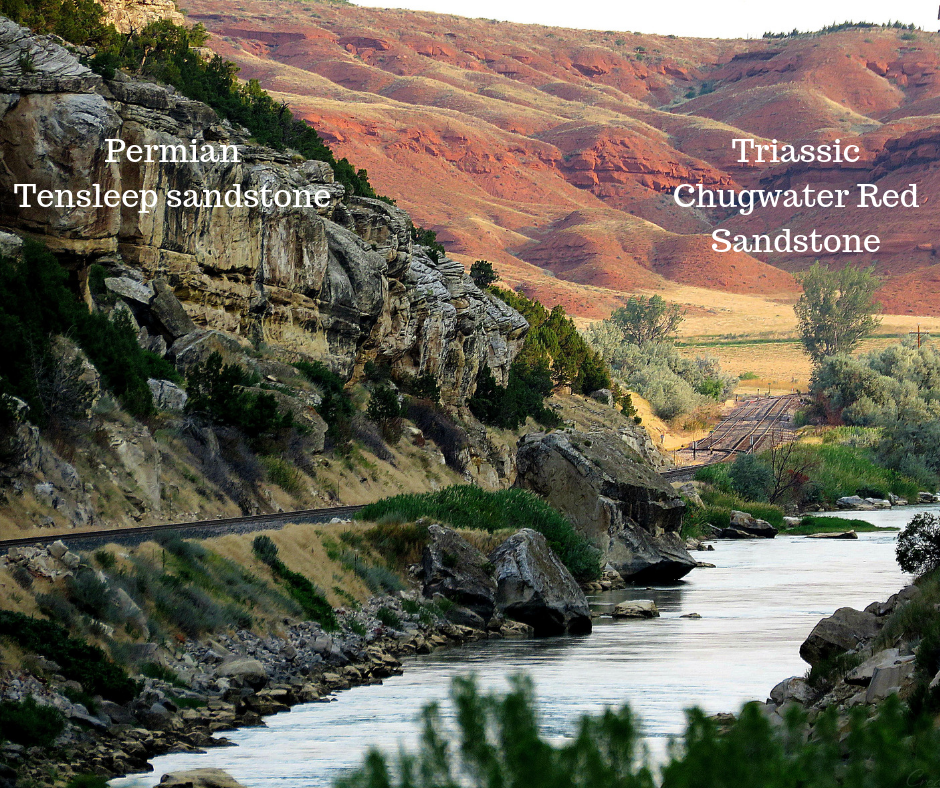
(91,595)
(467,506)
(27,723)
(918,547)
(389,617)
(105,559)
(493,740)
(751,477)
(83,662)
(219,392)
(311,601)
(718,475)
(154,670)
(283,474)
(440,428)
(336,408)
(385,410)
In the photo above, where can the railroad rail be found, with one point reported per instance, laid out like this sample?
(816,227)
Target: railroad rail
(202,529)
(746,429)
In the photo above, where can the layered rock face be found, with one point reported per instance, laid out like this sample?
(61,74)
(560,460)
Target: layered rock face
(614,499)
(341,283)
(533,586)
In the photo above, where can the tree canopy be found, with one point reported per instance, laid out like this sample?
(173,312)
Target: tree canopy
(647,319)
(837,309)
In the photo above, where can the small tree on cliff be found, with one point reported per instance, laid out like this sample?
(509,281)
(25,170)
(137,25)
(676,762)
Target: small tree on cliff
(646,319)
(837,309)
(483,274)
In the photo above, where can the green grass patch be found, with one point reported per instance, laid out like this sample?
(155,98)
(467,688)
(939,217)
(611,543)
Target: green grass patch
(301,590)
(833,525)
(843,470)
(466,506)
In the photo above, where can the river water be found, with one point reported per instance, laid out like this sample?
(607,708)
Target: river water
(757,607)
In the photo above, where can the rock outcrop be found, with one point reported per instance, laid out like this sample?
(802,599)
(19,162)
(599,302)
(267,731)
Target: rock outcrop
(612,498)
(453,568)
(535,587)
(341,283)
(844,630)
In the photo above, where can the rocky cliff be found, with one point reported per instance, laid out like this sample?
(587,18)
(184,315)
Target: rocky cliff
(610,494)
(343,283)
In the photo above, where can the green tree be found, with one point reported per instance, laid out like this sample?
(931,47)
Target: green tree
(837,309)
(483,274)
(918,548)
(645,319)
(752,478)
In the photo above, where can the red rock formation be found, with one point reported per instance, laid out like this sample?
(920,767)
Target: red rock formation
(554,152)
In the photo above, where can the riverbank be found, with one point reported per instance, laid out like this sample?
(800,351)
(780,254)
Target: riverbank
(757,607)
(235,681)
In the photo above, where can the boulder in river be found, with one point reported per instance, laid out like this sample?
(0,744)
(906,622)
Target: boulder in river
(455,569)
(612,497)
(199,778)
(844,630)
(636,608)
(536,588)
(742,521)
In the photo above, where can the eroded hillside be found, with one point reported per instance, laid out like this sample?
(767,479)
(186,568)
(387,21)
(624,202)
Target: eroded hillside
(554,152)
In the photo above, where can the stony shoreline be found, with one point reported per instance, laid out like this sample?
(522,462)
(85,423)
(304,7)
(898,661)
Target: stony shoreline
(234,681)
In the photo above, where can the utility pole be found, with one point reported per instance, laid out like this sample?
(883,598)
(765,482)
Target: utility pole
(920,335)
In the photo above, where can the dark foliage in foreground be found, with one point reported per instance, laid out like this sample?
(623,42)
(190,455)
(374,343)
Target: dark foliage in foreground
(498,744)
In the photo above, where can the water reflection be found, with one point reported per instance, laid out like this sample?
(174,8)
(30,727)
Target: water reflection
(757,606)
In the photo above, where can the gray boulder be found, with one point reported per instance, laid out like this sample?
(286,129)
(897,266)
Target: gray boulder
(636,608)
(742,521)
(454,568)
(167,395)
(535,587)
(794,688)
(249,671)
(199,778)
(612,497)
(169,312)
(844,630)
(605,396)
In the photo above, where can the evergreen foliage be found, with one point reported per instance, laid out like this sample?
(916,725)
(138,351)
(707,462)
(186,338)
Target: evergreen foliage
(336,408)
(221,393)
(35,305)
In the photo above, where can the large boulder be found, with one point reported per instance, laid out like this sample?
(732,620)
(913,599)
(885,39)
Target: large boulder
(454,568)
(249,671)
(535,587)
(612,497)
(742,521)
(199,778)
(845,630)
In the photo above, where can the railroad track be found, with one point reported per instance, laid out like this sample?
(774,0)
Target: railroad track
(746,429)
(202,529)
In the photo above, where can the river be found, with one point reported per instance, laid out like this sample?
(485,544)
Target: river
(757,607)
